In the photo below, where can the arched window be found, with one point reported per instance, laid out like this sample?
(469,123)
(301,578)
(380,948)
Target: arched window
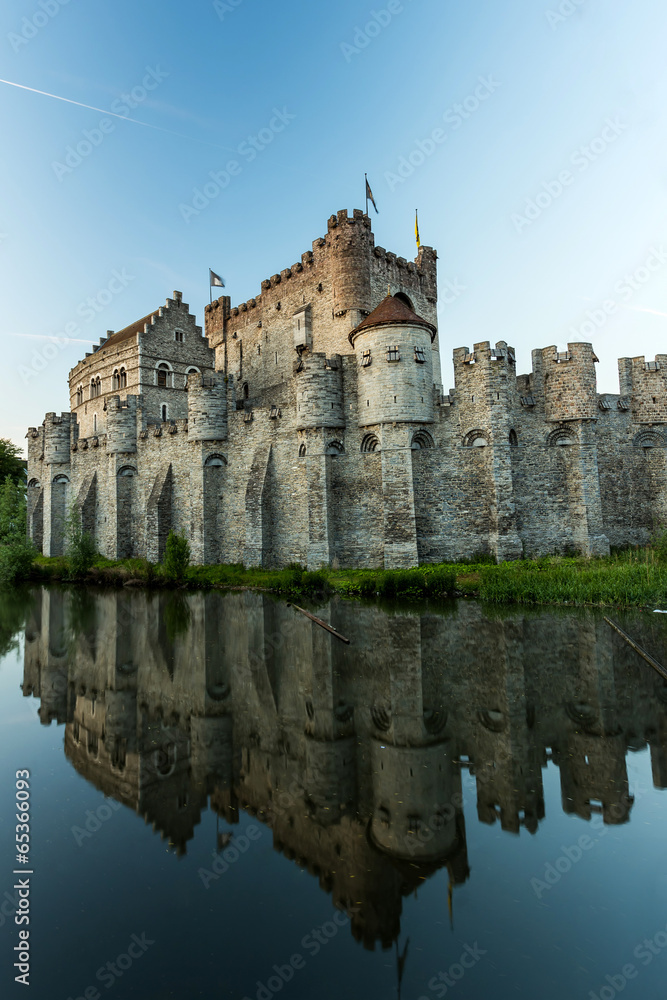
(192,370)
(94,423)
(402,297)
(246,391)
(95,387)
(562,437)
(61,480)
(122,379)
(215,462)
(649,439)
(163,410)
(514,440)
(127,470)
(163,375)
(370,443)
(115,380)
(475,439)
(79,396)
(335,448)
(302,451)
(422,440)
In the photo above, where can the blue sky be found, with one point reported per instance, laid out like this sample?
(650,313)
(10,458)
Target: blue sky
(544,194)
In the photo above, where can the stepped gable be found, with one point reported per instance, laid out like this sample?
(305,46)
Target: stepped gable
(392,312)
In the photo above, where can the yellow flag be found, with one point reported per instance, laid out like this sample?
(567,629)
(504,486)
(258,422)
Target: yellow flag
(419,242)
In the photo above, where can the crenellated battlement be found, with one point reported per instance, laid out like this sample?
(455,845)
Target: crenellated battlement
(567,382)
(312,427)
(645,384)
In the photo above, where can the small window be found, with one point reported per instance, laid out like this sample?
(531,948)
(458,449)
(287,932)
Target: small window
(178,336)
(79,396)
(94,423)
(302,451)
(122,379)
(164,412)
(393,354)
(366,359)
(420,356)
(115,380)
(163,375)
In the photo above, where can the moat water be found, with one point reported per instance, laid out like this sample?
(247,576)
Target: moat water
(226,801)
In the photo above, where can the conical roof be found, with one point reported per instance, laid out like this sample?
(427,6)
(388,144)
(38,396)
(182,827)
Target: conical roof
(392,312)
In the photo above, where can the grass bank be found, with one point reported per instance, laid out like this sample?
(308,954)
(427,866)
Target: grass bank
(632,578)
(427,581)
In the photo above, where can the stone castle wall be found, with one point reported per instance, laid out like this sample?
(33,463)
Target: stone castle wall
(286,439)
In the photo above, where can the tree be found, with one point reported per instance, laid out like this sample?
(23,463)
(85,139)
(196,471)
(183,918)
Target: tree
(11,463)
(16,552)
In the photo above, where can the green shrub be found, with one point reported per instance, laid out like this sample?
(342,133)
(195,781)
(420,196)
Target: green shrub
(315,582)
(80,546)
(16,552)
(176,557)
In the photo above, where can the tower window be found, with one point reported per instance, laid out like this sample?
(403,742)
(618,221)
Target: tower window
(122,379)
(164,412)
(366,359)
(393,354)
(115,381)
(162,375)
(178,336)
(420,356)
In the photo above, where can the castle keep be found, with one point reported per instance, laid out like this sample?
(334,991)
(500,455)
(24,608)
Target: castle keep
(309,425)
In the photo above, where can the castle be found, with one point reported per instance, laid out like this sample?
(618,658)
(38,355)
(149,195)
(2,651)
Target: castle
(309,425)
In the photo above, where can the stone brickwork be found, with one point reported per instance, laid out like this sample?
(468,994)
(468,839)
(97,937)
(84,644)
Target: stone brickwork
(309,425)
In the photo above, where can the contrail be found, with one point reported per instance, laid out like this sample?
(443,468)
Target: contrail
(124,118)
(643,309)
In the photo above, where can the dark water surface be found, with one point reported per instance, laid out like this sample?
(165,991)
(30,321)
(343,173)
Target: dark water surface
(225,801)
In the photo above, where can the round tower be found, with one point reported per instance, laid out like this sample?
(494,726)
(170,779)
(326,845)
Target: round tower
(319,394)
(121,425)
(120,720)
(570,388)
(57,439)
(207,408)
(395,365)
(415,803)
(350,241)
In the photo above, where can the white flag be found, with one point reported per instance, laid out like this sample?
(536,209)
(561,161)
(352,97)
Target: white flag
(215,279)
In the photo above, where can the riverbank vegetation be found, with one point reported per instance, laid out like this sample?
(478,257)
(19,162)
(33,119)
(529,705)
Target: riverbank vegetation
(634,577)
(630,578)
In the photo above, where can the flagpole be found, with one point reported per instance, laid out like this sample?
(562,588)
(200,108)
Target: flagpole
(210,293)
(366,191)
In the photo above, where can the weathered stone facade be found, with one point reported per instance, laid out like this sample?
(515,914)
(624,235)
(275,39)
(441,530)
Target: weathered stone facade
(309,426)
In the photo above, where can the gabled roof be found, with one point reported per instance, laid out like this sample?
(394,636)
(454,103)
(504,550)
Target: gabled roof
(130,331)
(392,312)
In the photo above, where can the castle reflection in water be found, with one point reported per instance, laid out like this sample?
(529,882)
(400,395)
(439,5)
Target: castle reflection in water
(352,755)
